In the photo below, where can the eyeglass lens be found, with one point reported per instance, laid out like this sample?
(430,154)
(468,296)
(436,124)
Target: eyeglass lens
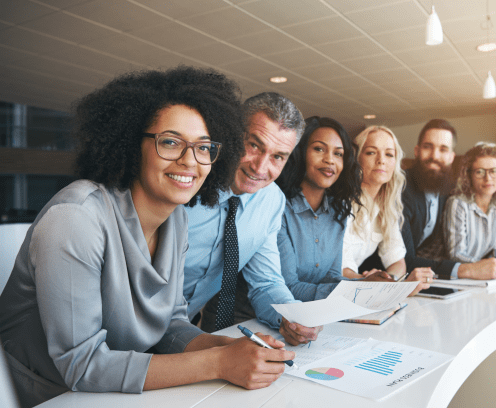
(481,173)
(172,148)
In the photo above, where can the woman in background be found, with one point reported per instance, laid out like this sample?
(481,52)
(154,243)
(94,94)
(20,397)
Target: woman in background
(95,300)
(321,181)
(377,224)
(470,214)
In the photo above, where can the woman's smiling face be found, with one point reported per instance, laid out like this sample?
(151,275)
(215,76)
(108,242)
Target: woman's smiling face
(324,159)
(175,182)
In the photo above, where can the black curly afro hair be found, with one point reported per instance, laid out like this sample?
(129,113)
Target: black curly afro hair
(110,123)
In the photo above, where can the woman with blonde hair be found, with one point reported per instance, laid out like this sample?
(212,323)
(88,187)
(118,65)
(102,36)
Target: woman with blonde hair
(470,214)
(377,224)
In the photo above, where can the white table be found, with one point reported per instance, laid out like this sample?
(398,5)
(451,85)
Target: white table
(464,327)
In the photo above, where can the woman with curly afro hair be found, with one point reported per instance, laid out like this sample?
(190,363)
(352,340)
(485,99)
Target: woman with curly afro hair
(95,300)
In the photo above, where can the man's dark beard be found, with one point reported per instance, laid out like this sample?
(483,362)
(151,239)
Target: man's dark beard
(436,181)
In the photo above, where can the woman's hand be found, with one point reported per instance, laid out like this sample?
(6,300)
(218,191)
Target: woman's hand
(251,366)
(424,276)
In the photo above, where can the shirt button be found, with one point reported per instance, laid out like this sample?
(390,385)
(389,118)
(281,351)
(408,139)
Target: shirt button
(317,240)
(317,265)
(316,217)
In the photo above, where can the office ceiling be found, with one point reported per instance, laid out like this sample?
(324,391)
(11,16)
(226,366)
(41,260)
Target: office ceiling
(342,58)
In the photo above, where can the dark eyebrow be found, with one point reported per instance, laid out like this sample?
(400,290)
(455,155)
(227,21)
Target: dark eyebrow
(175,133)
(325,144)
(257,139)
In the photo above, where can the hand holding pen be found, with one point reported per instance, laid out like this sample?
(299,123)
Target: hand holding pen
(253,337)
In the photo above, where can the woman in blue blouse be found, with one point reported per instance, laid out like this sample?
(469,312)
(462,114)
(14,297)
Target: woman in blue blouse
(95,300)
(321,181)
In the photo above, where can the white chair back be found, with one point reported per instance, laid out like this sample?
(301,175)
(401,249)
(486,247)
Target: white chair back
(11,238)
(8,397)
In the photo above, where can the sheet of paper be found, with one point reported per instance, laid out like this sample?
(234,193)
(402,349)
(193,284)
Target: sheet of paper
(464,282)
(349,299)
(372,369)
(320,312)
(325,345)
(374,295)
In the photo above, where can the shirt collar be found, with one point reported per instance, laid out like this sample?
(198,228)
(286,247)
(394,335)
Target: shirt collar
(300,204)
(243,198)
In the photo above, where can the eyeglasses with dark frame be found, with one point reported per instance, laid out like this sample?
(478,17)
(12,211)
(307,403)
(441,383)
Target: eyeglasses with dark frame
(481,173)
(172,147)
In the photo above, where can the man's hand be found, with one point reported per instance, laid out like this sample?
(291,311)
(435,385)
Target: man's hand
(295,333)
(484,269)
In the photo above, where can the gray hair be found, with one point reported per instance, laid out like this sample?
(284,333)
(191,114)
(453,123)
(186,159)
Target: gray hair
(278,109)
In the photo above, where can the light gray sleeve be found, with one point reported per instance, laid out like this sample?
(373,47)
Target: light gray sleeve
(180,331)
(66,252)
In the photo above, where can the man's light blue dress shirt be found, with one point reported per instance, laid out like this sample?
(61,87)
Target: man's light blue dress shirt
(311,247)
(258,221)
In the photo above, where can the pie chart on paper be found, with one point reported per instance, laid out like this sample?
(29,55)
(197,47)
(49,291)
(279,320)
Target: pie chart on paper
(324,373)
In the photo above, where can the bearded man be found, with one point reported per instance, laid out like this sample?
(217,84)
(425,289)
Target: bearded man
(428,183)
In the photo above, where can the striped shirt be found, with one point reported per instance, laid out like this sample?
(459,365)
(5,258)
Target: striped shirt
(470,233)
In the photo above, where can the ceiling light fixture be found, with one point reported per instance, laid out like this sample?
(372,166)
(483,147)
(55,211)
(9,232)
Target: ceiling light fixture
(433,30)
(489,90)
(487,47)
(369,116)
(278,79)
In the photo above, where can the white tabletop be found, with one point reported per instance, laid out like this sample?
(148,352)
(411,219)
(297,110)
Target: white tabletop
(464,327)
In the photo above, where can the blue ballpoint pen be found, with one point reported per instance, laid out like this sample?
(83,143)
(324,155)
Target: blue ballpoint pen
(253,337)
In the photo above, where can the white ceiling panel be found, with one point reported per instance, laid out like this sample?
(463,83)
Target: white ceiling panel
(297,58)
(23,10)
(181,8)
(346,57)
(138,51)
(236,23)
(373,63)
(350,49)
(61,25)
(280,13)
(323,30)
(266,42)
(345,6)
(427,54)
(173,36)
(215,53)
(388,17)
(119,14)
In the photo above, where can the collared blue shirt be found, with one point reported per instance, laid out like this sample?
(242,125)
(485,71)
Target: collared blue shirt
(311,247)
(258,221)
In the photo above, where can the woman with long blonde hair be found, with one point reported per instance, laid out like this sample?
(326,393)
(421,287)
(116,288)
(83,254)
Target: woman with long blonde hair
(377,224)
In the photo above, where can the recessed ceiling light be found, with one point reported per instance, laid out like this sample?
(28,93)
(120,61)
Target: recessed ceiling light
(487,47)
(278,79)
(369,116)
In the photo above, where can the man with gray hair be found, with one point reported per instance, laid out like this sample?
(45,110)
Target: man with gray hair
(240,234)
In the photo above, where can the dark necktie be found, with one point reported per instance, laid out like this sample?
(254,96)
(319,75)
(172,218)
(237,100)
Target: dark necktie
(225,308)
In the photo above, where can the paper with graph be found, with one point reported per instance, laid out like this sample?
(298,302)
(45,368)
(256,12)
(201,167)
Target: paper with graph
(372,369)
(349,299)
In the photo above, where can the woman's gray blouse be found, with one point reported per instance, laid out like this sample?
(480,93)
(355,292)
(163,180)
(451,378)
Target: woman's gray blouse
(84,302)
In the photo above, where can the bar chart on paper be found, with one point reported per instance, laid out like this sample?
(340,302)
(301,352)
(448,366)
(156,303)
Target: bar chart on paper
(383,363)
(373,369)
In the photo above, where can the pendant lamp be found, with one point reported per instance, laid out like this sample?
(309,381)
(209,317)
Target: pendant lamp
(433,30)
(489,91)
